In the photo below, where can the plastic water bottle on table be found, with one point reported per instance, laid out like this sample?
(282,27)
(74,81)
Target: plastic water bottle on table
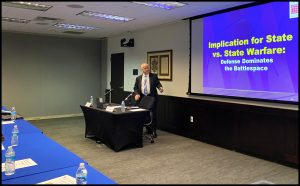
(13,114)
(9,161)
(15,138)
(81,175)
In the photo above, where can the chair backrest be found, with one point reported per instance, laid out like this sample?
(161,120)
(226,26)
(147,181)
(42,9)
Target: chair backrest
(130,101)
(147,102)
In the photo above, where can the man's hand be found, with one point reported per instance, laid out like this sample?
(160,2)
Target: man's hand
(161,89)
(137,97)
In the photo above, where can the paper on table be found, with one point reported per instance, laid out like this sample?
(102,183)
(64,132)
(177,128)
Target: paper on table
(111,108)
(88,104)
(6,111)
(7,122)
(119,106)
(139,109)
(21,164)
(65,179)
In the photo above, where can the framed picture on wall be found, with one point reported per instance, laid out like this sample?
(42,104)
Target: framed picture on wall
(160,63)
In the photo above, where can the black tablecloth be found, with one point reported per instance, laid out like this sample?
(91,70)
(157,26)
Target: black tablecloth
(118,130)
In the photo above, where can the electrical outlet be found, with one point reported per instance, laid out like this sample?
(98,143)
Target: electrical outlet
(191,119)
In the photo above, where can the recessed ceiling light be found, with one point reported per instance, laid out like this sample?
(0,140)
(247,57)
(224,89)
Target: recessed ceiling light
(163,5)
(27,5)
(105,16)
(74,27)
(75,6)
(47,20)
(15,20)
(53,19)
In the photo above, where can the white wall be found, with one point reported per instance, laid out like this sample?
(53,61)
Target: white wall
(174,36)
(46,76)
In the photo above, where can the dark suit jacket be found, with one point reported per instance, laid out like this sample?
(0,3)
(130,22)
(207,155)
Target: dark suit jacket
(154,83)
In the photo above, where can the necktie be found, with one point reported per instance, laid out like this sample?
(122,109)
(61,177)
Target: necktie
(145,85)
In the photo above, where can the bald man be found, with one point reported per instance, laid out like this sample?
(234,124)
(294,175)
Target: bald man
(147,85)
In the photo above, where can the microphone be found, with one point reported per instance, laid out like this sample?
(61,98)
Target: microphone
(108,92)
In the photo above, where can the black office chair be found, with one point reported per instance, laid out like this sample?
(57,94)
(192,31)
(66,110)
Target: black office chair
(147,102)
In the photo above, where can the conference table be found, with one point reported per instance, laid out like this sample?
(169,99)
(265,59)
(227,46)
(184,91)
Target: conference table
(93,176)
(24,128)
(117,130)
(48,159)
(47,154)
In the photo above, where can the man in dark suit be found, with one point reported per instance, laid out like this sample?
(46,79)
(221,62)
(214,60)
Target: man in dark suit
(145,85)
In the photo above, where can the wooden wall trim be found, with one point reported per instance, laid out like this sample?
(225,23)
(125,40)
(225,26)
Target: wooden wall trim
(264,132)
(269,133)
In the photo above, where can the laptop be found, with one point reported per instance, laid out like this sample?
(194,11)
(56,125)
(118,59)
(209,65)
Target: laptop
(99,103)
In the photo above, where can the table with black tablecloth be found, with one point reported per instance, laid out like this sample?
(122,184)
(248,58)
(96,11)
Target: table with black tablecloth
(118,130)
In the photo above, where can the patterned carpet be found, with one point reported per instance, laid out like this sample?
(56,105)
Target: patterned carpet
(172,159)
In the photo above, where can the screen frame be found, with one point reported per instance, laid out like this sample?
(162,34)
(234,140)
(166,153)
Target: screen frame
(190,56)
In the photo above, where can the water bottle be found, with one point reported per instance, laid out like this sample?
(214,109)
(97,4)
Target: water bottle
(13,114)
(91,100)
(14,138)
(9,161)
(81,175)
(123,106)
